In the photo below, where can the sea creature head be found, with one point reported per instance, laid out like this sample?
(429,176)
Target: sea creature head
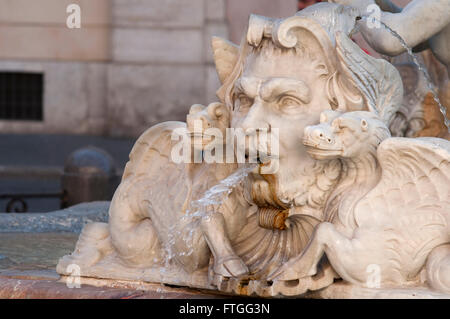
(345,135)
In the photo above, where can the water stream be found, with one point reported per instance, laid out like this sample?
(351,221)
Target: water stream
(423,69)
(201,209)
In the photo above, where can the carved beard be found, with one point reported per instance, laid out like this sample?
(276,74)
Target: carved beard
(264,191)
(309,186)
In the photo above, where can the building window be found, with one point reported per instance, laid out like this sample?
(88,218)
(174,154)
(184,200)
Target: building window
(21,96)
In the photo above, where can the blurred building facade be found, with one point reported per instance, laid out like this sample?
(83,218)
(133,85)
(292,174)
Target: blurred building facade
(132,64)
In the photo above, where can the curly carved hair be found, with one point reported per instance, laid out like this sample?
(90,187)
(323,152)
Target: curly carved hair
(261,40)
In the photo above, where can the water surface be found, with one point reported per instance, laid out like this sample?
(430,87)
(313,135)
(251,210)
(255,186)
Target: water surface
(26,251)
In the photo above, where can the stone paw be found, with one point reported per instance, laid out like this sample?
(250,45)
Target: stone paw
(293,271)
(231,266)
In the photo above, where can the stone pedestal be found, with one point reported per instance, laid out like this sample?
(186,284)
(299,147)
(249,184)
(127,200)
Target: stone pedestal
(32,244)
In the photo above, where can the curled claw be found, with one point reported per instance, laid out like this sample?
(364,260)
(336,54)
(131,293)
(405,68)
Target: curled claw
(283,274)
(231,266)
(294,269)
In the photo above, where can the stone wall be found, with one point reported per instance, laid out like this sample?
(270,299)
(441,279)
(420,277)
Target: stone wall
(37,30)
(132,64)
(35,38)
(74,97)
(161,60)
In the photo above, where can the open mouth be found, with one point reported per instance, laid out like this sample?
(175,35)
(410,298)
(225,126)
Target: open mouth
(265,166)
(317,150)
(261,159)
(322,152)
(309,143)
(314,145)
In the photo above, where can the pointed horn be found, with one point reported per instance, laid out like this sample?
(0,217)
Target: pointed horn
(226,55)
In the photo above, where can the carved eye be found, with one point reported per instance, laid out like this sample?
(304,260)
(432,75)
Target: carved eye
(288,102)
(337,124)
(340,126)
(243,102)
(364,125)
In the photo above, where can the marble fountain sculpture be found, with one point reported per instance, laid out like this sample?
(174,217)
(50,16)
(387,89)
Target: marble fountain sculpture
(332,196)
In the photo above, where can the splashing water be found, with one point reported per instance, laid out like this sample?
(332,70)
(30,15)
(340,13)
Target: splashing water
(200,209)
(216,194)
(410,52)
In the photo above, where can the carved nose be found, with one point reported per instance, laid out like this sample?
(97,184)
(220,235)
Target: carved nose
(200,123)
(255,120)
(322,135)
(318,134)
(205,123)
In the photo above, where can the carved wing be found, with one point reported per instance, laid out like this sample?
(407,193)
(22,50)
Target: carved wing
(412,200)
(379,81)
(419,168)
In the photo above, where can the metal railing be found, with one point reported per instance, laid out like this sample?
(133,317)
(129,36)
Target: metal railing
(89,174)
(17,202)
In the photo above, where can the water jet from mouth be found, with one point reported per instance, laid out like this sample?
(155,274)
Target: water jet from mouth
(421,68)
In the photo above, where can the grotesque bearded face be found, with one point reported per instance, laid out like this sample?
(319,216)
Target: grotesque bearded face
(283,89)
